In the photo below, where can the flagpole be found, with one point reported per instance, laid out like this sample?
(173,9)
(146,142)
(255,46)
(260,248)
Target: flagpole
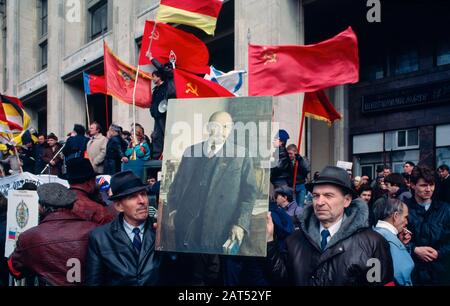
(135,84)
(298,146)
(87,109)
(16,153)
(134,102)
(107,112)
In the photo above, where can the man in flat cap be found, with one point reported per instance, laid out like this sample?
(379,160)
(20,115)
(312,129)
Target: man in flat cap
(334,245)
(122,253)
(57,244)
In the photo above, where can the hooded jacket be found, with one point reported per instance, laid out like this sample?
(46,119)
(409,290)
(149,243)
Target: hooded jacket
(355,255)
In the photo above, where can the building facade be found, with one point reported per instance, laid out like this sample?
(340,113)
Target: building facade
(399,111)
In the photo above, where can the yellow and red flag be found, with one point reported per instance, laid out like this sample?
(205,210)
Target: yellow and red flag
(13,117)
(317,106)
(201,14)
(120,79)
(188,85)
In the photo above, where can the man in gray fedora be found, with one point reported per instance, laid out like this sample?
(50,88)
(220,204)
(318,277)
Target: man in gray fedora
(122,253)
(334,245)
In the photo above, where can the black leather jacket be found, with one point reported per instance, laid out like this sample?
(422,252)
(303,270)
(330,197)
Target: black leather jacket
(281,174)
(113,261)
(346,259)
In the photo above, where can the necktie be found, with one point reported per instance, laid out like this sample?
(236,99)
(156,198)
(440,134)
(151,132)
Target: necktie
(325,234)
(137,243)
(212,150)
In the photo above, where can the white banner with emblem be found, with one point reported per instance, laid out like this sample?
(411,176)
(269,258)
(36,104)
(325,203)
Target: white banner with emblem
(23,214)
(16,181)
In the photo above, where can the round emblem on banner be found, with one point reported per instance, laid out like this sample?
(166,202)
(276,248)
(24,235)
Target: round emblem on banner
(22,214)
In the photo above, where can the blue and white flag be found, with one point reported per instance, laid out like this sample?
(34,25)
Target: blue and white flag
(232,80)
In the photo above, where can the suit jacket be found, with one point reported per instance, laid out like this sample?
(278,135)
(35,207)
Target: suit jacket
(230,195)
(113,261)
(96,149)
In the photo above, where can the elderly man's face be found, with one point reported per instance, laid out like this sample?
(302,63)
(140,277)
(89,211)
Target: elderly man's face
(220,127)
(401,219)
(134,208)
(329,203)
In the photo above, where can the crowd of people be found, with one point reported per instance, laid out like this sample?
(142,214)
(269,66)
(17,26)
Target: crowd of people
(321,231)
(50,156)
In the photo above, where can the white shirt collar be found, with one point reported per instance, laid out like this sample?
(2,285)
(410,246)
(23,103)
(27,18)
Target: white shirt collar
(129,229)
(332,229)
(388,226)
(217,148)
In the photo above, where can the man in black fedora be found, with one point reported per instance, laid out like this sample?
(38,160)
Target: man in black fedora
(122,253)
(334,245)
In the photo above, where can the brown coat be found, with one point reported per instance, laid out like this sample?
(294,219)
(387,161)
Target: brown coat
(47,156)
(88,209)
(45,250)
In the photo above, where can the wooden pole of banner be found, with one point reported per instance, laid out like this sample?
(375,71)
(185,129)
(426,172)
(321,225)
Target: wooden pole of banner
(299,144)
(134,103)
(87,110)
(16,153)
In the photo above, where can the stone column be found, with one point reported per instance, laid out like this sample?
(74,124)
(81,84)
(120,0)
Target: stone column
(427,141)
(125,47)
(339,97)
(271,22)
(12,42)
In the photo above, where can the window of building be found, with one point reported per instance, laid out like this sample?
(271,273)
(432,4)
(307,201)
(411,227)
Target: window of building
(406,61)
(443,54)
(44,54)
(367,170)
(401,140)
(99,19)
(44,17)
(442,145)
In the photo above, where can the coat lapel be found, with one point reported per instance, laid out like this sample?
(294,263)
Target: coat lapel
(148,245)
(120,234)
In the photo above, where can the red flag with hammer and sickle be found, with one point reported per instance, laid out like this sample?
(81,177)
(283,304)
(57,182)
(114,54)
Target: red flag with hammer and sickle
(189,85)
(281,70)
(191,53)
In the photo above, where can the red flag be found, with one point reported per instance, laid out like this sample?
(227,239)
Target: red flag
(191,53)
(120,79)
(201,14)
(188,85)
(94,84)
(280,70)
(317,106)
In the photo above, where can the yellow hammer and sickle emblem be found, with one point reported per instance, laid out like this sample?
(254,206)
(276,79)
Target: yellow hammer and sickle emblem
(269,57)
(192,88)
